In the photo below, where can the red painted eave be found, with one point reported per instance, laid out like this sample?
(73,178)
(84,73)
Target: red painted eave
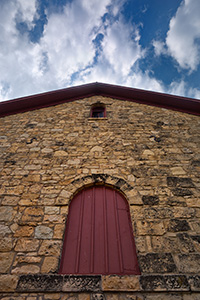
(187,105)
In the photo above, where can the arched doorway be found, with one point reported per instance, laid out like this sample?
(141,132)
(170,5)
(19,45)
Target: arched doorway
(98,236)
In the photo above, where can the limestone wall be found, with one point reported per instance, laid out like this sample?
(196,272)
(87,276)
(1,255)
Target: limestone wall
(150,154)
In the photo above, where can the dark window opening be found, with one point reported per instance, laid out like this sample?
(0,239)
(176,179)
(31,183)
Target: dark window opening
(98,112)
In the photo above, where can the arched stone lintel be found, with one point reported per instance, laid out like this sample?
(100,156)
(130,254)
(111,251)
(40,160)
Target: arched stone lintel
(121,185)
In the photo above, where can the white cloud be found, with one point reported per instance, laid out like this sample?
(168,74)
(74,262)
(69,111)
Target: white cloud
(159,47)
(183,34)
(181,88)
(121,47)
(66,53)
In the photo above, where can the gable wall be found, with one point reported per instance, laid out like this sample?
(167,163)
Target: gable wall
(150,154)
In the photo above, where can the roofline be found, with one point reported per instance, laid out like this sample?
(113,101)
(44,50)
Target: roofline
(19,105)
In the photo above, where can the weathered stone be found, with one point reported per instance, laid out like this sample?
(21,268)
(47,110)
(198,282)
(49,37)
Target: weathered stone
(37,283)
(6,213)
(8,283)
(32,214)
(60,153)
(164,244)
(194,282)
(43,232)
(120,283)
(164,283)
(6,244)
(81,283)
(177,171)
(51,210)
(188,263)
(150,200)
(176,225)
(181,192)
(193,202)
(50,248)
(185,243)
(10,200)
(26,269)
(16,190)
(26,259)
(59,231)
(96,148)
(25,231)
(180,182)
(65,194)
(32,178)
(157,263)
(6,260)
(4,230)
(54,219)
(50,264)
(150,227)
(191,296)
(164,296)
(26,245)
(196,242)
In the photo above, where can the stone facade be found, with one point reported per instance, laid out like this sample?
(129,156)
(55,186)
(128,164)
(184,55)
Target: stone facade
(150,154)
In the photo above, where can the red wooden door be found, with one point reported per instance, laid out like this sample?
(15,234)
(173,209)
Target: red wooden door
(98,237)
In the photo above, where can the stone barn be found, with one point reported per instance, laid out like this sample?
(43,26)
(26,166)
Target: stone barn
(99,195)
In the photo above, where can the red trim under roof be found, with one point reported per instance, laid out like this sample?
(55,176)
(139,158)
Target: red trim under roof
(182,104)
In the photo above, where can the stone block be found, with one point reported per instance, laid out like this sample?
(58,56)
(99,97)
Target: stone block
(150,200)
(40,283)
(50,248)
(180,182)
(4,230)
(196,242)
(50,264)
(6,260)
(43,232)
(60,153)
(26,269)
(150,227)
(191,296)
(51,210)
(8,283)
(27,245)
(100,296)
(164,296)
(81,283)
(120,283)
(59,231)
(165,244)
(185,243)
(16,190)
(6,213)
(180,192)
(32,178)
(164,283)
(157,263)
(26,259)
(176,225)
(10,200)
(177,171)
(188,263)
(24,231)
(6,244)
(194,282)
(32,214)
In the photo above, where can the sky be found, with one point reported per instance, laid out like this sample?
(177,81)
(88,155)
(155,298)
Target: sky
(47,45)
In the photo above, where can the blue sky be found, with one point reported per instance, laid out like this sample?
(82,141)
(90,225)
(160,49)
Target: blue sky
(148,44)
